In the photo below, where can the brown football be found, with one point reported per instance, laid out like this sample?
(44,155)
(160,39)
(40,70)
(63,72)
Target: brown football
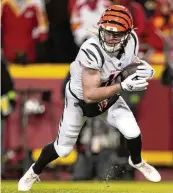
(127,71)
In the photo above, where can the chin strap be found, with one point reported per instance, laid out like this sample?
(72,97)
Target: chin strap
(122,50)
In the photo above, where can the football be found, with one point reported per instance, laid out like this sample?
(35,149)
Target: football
(127,71)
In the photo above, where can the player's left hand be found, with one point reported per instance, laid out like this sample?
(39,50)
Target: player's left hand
(145,70)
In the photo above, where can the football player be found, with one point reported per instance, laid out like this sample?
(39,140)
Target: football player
(93,91)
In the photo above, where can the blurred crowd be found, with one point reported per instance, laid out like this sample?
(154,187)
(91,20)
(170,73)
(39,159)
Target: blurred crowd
(39,31)
(51,31)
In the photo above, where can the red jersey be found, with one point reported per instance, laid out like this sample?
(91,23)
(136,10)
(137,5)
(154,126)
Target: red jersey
(19,19)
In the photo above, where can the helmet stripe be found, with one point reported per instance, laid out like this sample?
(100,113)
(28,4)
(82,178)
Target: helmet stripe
(120,11)
(119,17)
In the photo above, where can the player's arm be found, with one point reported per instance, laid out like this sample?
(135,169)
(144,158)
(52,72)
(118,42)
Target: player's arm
(91,90)
(93,93)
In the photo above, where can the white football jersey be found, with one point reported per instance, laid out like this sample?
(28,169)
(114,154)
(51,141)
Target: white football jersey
(92,55)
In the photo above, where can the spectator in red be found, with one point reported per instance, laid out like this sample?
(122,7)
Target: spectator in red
(163,24)
(159,26)
(163,17)
(71,4)
(19,20)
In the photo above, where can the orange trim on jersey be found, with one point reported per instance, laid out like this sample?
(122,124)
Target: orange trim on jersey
(12,5)
(75,26)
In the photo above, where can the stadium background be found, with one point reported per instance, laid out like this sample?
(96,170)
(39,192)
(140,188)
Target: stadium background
(155,115)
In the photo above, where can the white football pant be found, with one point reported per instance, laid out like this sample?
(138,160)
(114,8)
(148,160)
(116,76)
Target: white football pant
(118,115)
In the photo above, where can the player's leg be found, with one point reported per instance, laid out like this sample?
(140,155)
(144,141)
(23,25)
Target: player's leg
(69,129)
(121,117)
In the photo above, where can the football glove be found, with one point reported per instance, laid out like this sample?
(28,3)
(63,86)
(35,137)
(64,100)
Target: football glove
(145,71)
(131,83)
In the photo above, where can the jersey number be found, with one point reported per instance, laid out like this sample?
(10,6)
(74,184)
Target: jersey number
(110,80)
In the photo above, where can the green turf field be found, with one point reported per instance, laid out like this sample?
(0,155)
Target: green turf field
(92,187)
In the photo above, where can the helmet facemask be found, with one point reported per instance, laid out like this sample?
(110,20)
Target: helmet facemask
(112,41)
(115,26)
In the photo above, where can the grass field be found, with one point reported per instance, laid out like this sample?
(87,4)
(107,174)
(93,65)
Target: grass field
(92,187)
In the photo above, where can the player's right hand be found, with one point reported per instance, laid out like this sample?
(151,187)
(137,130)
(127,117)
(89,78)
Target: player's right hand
(133,84)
